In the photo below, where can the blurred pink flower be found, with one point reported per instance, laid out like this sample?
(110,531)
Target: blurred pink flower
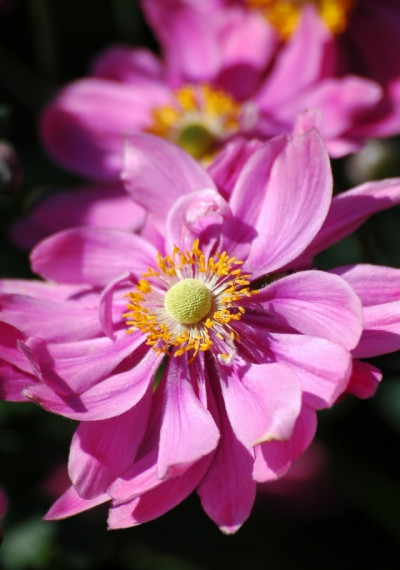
(224,72)
(106,206)
(245,353)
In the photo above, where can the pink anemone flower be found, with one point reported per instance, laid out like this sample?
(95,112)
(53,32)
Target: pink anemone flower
(224,72)
(196,355)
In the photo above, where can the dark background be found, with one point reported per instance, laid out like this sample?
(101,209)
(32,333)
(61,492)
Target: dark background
(341,506)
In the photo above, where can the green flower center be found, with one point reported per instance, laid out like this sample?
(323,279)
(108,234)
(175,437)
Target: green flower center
(197,140)
(188,301)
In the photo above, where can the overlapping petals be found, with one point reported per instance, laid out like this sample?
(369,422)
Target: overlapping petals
(240,406)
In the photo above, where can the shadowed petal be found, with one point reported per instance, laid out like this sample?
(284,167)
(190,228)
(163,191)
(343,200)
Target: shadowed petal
(107,399)
(273,459)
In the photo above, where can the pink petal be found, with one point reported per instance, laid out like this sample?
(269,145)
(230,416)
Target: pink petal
(374,284)
(273,459)
(9,341)
(381,334)
(287,203)
(262,401)
(228,490)
(285,82)
(247,46)
(187,37)
(188,431)
(91,255)
(71,368)
(102,450)
(138,479)
(48,291)
(322,366)
(13,383)
(349,210)
(314,304)
(228,164)
(159,500)
(379,291)
(156,173)
(109,309)
(341,101)
(364,380)
(107,399)
(35,316)
(70,503)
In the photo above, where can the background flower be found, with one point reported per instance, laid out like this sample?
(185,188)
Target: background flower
(205,88)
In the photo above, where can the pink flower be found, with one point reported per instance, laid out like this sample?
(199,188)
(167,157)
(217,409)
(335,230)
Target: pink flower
(233,343)
(224,72)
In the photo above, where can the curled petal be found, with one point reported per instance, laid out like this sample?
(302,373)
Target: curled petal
(197,215)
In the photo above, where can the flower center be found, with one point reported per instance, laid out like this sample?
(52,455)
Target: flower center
(190,303)
(199,119)
(285,15)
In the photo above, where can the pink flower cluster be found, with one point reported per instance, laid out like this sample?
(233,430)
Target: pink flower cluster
(180,318)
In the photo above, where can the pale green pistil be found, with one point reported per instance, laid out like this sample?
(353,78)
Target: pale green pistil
(197,140)
(188,301)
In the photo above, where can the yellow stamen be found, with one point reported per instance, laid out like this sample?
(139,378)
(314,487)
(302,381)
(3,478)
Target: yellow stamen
(189,302)
(199,119)
(285,15)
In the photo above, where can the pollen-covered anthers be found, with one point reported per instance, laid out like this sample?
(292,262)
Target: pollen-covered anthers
(198,119)
(190,303)
(285,15)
